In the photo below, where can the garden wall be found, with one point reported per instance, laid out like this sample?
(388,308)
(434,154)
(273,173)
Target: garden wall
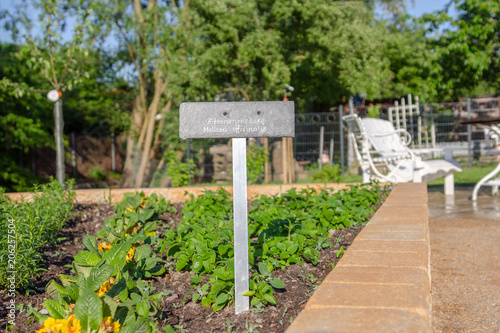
(382,283)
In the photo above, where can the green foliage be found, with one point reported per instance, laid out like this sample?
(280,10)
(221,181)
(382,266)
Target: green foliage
(22,121)
(467,52)
(283,230)
(97,173)
(326,50)
(373,112)
(179,172)
(329,173)
(256,158)
(108,275)
(34,224)
(410,59)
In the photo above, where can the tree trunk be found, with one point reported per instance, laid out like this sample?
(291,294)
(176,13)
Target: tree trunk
(133,153)
(157,141)
(153,110)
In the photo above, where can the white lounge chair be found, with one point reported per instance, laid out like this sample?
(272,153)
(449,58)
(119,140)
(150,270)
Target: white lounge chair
(383,154)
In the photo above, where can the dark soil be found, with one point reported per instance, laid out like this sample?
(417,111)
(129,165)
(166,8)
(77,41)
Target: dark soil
(177,308)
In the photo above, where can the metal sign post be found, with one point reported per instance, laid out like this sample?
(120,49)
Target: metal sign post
(238,121)
(241,279)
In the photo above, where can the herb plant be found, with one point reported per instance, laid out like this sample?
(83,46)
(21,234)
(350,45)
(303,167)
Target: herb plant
(28,226)
(284,230)
(107,291)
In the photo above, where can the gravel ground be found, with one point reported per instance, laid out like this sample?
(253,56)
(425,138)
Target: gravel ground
(465,263)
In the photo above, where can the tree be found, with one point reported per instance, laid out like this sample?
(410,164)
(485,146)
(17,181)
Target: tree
(243,56)
(326,50)
(152,34)
(51,55)
(334,49)
(23,121)
(467,50)
(410,60)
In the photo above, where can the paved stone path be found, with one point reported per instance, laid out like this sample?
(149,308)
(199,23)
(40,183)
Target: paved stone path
(465,263)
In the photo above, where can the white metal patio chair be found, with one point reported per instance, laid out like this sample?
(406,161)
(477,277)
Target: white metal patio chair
(493,178)
(383,154)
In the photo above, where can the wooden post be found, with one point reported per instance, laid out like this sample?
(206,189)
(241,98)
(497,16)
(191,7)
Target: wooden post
(398,123)
(267,173)
(321,141)
(403,105)
(419,123)
(291,168)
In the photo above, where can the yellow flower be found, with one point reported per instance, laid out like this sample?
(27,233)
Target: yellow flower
(104,246)
(74,325)
(70,325)
(130,254)
(106,286)
(129,210)
(109,325)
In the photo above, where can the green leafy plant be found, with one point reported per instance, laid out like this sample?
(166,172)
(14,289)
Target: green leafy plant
(97,174)
(256,158)
(28,226)
(329,173)
(107,291)
(373,112)
(179,172)
(283,230)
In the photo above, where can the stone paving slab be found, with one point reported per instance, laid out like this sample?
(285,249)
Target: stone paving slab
(362,319)
(382,283)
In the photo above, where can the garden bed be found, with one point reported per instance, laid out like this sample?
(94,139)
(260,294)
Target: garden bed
(177,308)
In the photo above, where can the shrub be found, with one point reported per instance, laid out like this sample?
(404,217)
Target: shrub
(97,174)
(329,173)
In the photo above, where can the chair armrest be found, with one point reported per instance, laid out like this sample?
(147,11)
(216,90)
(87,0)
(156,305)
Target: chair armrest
(407,136)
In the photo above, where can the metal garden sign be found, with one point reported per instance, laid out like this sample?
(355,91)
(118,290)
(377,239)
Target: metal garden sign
(238,121)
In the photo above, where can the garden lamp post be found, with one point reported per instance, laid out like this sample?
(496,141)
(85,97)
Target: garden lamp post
(54,96)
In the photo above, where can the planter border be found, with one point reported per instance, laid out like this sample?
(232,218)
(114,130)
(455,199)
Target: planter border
(383,281)
(179,194)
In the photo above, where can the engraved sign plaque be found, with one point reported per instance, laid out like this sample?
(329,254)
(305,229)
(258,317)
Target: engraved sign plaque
(236,120)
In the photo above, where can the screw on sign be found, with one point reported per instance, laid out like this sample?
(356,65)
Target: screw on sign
(238,121)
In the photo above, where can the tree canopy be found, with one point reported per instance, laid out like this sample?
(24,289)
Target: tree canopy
(467,52)
(129,64)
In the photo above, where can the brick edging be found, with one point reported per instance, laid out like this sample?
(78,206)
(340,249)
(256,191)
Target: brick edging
(178,194)
(383,281)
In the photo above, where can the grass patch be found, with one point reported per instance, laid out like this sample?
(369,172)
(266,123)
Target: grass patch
(468,177)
